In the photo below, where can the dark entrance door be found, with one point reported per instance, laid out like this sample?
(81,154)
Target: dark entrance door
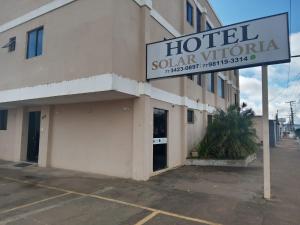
(33,136)
(160,140)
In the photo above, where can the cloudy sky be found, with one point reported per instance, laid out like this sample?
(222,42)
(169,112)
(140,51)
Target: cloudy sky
(284,79)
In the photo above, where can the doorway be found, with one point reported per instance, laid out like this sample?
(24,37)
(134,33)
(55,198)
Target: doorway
(33,136)
(160,140)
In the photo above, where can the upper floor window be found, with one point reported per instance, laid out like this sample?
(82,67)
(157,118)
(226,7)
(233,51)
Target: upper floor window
(208,26)
(3,119)
(211,82)
(189,13)
(221,88)
(35,42)
(198,20)
(12,44)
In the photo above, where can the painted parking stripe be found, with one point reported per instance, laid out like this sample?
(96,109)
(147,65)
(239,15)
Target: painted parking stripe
(147,218)
(34,203)
(117,201)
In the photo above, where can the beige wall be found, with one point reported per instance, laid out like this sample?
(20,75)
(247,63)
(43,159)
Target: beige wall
(93,137)
(7,137)
(77,43)
(16,8)
(196,130)
(258,126)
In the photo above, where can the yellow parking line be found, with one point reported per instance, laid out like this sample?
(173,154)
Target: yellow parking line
(117,201)
(147,218)
(34,203)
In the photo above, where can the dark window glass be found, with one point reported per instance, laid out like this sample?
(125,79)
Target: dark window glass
(221,89)
(211,82)
(208,26)
(198,20)
(209,119)
(199,81)
(235,99)
(35,43)
(190,116)
(189,13)
(12,44)
(3,119)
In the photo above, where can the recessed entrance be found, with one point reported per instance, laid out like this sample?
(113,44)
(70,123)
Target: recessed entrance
(33,136)
(160,140)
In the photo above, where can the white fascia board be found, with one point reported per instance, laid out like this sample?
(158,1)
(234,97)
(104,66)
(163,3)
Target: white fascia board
(79,86)
(96,84)
(147,3)
(34,14)
(164,23)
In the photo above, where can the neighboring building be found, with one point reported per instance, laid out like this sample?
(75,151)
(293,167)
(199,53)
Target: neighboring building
(73,92)
(274,130)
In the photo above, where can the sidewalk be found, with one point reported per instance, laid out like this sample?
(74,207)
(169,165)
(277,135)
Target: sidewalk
(185,196)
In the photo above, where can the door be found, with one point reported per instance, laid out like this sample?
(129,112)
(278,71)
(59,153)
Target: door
(160,140)
(33,136)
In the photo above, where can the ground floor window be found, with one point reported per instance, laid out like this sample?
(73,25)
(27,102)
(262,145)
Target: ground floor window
(190,116)
(3,119)
(209,119)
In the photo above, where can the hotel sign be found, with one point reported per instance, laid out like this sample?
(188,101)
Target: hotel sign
(258,42)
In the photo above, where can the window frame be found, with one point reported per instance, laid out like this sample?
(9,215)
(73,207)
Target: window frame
(221,84)
(199,17)
(211,83)
(36,30)
(3,119)
(12,44)
(189,17)
(190,116)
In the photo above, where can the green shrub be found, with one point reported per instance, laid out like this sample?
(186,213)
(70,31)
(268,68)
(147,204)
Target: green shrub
(230,135)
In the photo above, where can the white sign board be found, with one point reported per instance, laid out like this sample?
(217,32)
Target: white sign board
(257,42)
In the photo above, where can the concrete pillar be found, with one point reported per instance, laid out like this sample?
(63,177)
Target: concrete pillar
(20,150)
(45,131)
(142,156)
(184,127)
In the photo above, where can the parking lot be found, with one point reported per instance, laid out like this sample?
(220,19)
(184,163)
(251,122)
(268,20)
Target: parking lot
(185,196)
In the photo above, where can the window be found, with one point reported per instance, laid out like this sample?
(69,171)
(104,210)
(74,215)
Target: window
(236,100)
(190,116)
(209,119)
(12,44)
(211,82)
(3,119)
(191,77)
(221,89)
(208,26)
(35,42)
(198,20)
(189,13)
(199,82)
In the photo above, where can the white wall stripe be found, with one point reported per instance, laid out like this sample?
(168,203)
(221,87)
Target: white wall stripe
(96,84)
(34,14)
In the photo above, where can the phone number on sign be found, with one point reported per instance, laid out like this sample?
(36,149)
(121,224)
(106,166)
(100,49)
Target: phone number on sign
(208,65)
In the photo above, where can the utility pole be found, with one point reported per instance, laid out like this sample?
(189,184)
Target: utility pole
(292,127)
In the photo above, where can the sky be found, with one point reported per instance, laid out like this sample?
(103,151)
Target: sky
(284,79)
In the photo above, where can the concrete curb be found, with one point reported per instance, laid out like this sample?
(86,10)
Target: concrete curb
(228,163)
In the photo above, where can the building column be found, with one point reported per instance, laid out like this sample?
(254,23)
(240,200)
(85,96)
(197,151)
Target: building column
(20,149)
(142,138)
(45,131)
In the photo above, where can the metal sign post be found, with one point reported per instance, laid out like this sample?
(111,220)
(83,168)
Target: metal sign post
(266,147)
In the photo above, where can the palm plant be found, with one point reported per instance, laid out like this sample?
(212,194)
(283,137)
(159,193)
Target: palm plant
(230,135)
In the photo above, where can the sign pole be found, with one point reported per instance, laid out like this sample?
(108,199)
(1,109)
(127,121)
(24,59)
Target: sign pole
(266,146)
